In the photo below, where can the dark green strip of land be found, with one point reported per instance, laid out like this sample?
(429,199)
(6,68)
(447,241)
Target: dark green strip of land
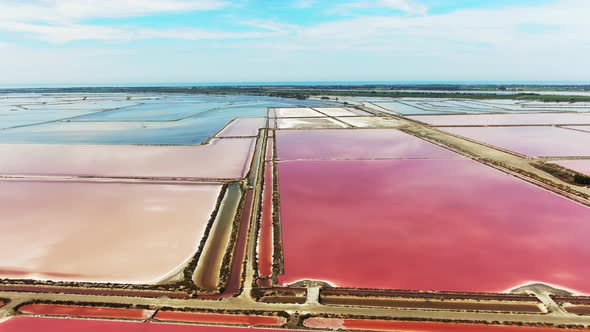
(304,92)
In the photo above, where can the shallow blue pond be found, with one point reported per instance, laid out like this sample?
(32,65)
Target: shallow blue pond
(170,119)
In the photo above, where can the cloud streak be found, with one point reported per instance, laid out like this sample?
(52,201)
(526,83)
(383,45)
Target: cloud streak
(76,32)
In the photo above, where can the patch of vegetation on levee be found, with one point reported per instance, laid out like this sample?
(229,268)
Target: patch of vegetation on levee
(264,313)
(88,304)
(563,173)
(280,295)
(582,179)
(278,267)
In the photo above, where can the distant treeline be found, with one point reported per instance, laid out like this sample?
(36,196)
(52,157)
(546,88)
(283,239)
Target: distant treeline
(304,92)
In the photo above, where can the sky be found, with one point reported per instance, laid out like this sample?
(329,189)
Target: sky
(163,41)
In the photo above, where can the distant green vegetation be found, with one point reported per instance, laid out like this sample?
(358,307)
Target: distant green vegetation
(447,95)
(582,179)
(304,92)
(563,173)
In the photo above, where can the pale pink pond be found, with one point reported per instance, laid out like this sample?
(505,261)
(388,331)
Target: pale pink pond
(402,326)
(504,119)
(452,225)
(530,141)
(582,128)
(354,144)
(221,159)
(580,166)
(308,123)
(340,111)
(297,112)
(101,232)
(242,127)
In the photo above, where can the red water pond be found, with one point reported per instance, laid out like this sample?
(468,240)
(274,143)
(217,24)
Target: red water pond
(354,144)
(101,231)
(504,119)
(400,326)
(26,324)
(580,166)
(85,311)
(243,127)
(235,280)
(222,158)
(530,141)
(211,318)
(452,225)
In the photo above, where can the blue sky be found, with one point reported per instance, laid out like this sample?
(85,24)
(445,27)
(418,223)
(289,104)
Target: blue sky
(118,41)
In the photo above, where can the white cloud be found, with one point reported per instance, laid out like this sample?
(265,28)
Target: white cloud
(198,34)
(407,6)
(304,3)
(473,44)
(75,32)
(270,25)
(75,10)
(497,27)
(60,21)
(476,44)
(62,33)
(118,8)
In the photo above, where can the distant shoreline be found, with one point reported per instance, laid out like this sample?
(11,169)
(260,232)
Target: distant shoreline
(399,84)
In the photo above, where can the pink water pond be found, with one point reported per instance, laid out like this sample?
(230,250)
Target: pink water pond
(222,158)
(530,141)
(243,127)
(101,232)
(354,144)
(580,166)
(504,119)
(452,225)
